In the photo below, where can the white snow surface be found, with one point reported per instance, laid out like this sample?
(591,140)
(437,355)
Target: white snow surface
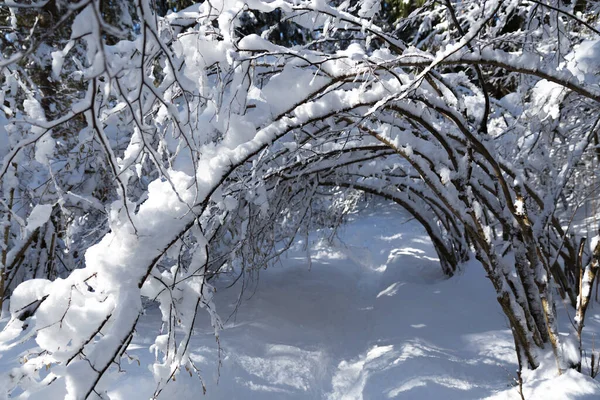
(584,61)
(371,317)
(4,141)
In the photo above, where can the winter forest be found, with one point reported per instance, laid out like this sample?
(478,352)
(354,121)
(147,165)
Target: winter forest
(300,199)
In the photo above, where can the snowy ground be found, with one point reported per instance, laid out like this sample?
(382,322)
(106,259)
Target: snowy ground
(372,318)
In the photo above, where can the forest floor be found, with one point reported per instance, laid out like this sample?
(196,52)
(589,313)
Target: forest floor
(370,317)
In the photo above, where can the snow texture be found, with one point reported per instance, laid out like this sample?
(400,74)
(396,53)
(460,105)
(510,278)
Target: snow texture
(342,329)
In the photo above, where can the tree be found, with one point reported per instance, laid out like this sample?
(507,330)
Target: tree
(193,145)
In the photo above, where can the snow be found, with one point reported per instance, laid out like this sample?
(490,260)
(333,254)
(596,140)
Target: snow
(4,140)
(546,99)
(369,8)
(372,318)
(81,25)
(58,59)
(28,292)
(520,206)
(584,60)
(354,52)
(367,316)
(39,216)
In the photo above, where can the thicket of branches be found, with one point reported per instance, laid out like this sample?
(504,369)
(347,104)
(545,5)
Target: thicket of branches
(144,152)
